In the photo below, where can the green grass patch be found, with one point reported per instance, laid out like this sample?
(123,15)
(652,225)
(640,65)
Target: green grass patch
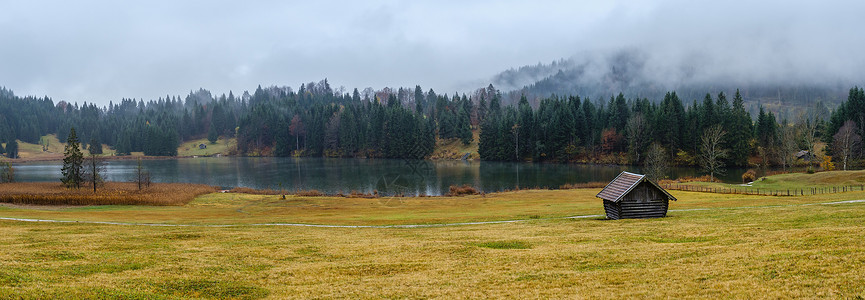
(223,146)
(504,245)
(794,182)
(211,289)
(96,268)
(13,276)
(58,255)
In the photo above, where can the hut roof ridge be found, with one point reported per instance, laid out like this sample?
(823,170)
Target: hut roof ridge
(621,186)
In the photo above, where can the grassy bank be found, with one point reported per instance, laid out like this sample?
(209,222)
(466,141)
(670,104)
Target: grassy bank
(110,193)
(48,148)
(794,183)
(734,247)
(222,146)
(453,149)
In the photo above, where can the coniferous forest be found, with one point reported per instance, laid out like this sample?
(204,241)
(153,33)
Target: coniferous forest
(318,120)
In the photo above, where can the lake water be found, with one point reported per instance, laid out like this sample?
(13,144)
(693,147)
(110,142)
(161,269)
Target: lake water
(333,175)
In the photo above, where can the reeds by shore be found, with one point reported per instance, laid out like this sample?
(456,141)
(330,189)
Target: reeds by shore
(110,193)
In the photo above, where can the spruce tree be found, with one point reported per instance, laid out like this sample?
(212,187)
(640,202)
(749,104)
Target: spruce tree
(73,162)
(95,146)
(7,172)
(740,132)
(12,149)
(212,135)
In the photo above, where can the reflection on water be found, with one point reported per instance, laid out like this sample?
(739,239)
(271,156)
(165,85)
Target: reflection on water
(332,175)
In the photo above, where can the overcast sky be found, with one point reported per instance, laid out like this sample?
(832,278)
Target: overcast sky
(97,51)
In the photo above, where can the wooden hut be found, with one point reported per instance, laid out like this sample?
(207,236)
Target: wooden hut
(632,196)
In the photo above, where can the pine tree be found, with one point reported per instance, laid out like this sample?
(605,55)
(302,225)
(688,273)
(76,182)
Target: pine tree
(12,148)
(7,172)
(464,127)
(618,113)
(212,134)
(525,129)
(73,161)
(740,132)
(95,146)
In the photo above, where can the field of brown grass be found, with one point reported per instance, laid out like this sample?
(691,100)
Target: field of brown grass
(454,149)
(709,246)
(111,193)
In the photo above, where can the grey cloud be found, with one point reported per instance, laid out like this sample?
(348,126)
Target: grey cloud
(101,50)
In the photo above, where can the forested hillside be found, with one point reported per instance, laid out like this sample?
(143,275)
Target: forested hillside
(312,121)
(633,74)
(316,120)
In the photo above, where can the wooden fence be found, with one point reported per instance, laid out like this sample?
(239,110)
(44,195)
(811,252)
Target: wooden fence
(766,192)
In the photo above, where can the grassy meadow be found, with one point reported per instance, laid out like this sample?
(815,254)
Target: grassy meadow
(796,181)
(53,149)
(455,149)
(223,146)
(709,246)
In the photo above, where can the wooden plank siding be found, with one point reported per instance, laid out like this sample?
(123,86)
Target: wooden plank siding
(613,209)
(632,196)
(640,210)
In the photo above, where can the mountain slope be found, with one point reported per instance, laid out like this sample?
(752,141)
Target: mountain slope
(638,75)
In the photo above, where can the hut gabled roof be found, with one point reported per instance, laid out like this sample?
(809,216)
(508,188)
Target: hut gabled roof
(623,184)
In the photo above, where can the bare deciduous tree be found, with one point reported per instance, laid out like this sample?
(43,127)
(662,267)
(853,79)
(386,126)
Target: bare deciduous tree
(142,176)
(846,142)
(711,151)
(788,147)
(95,168)
(808,128)
(656,163)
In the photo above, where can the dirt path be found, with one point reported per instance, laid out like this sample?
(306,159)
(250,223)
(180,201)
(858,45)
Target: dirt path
(406,225)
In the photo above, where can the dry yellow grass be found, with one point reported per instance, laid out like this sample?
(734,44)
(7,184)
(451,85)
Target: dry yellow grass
(452,149)
(793,183)
(232,208)
(53,149)
(223,146)
(735,246)
(111,193)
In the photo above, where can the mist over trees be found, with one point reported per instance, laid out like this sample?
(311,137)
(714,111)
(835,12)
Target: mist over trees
(635,74)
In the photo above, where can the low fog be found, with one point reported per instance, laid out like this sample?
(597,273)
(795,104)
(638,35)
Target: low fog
(100,51)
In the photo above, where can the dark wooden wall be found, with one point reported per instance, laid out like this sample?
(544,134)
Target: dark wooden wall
(644,201)
(613,209)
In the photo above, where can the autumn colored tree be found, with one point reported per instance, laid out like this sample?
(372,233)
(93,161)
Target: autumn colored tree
(611,141)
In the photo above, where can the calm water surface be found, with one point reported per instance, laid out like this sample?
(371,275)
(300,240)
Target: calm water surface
(332,175)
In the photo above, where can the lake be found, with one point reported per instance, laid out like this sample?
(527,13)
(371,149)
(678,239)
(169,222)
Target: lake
(334,175)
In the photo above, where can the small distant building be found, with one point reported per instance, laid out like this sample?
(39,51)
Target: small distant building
(804,155)
(633,196)
(202,146)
